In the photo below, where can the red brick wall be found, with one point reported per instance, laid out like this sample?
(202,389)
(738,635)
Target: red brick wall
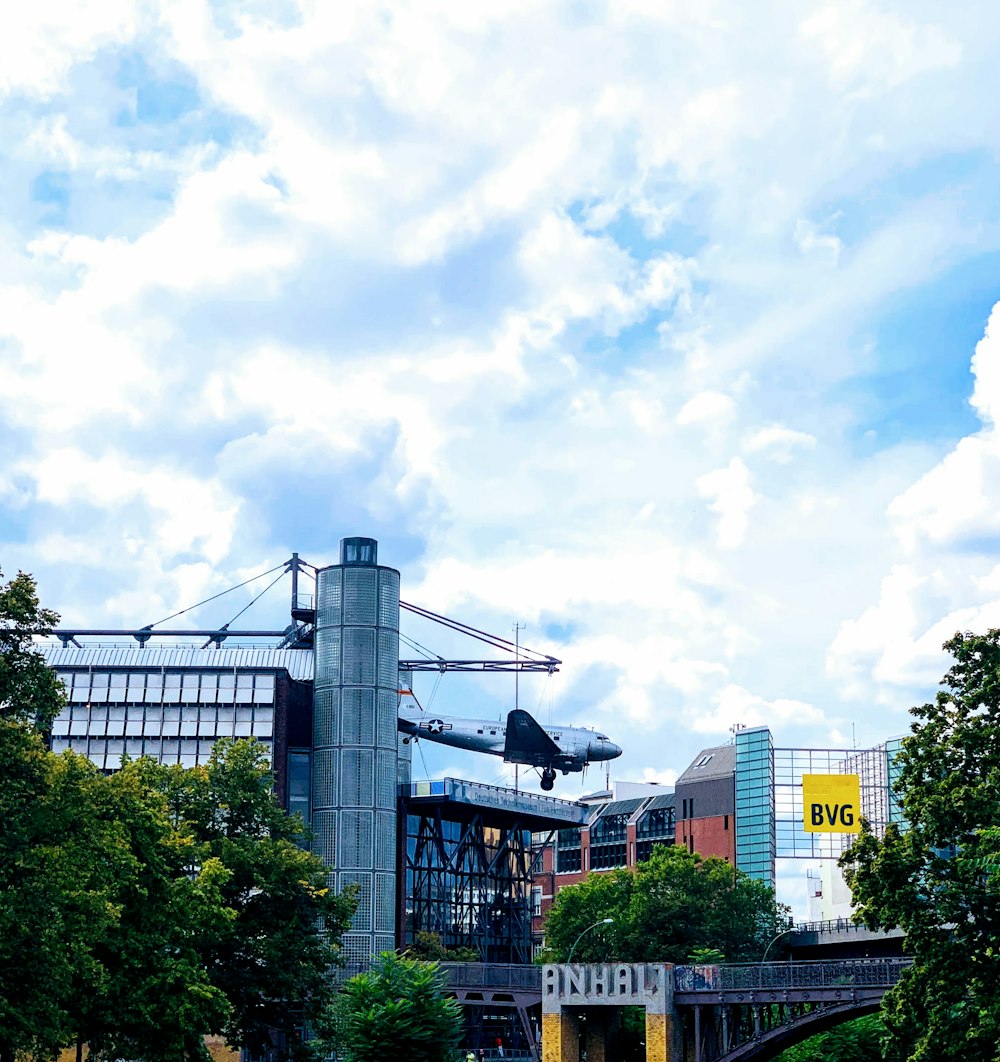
(713,836)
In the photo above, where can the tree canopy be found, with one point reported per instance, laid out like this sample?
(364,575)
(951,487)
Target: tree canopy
(142,910)
(859,1040)
(396,1010)
(669,909)
(935,875)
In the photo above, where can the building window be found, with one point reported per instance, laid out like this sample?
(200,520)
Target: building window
(536,900)
(568,861)
(299,784)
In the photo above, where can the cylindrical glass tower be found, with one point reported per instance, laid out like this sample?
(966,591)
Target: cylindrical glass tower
(354,738)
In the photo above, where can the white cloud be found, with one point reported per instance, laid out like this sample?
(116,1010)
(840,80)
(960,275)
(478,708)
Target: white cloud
(730,495)
(735,706)
(41,43)
(556,321)
(986,369)
(779,443)
(946,527)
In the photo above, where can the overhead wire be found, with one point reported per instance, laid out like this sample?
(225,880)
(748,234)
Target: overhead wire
(223,593)
(414,644)
(256,599)
(473,632)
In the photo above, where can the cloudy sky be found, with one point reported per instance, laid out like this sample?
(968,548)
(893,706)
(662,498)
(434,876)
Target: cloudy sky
(660,329)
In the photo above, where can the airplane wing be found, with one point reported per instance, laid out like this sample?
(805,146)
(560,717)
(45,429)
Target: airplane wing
(527,742)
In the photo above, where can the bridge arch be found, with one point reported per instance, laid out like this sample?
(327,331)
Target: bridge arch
(770,1044)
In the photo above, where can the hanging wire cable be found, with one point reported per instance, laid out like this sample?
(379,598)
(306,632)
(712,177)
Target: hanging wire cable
(428,653)
(214,597)
(434,689)
(249,604)
(473,632)
(423,762)
(254,600)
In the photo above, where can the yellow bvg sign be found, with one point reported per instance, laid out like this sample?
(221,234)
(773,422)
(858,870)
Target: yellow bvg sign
(831,803)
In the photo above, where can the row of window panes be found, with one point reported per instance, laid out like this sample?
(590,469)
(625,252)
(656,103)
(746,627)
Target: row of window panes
(745,837)
(604,856)
(755,854)
(107,754)
(644,849)
(750,841)
(658,823)
(169,686)
(754,776)
(753,802)
(754,780)
(152,721)
(759,818)
(608,828)
(568,861)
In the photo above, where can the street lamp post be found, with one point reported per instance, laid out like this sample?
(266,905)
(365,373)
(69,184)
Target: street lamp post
(602,922)
(783,933)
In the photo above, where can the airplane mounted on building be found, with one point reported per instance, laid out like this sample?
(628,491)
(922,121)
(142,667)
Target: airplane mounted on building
(519,740)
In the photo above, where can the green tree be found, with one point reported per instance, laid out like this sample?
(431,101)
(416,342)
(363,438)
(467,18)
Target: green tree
(142,910)
(430,947)
(932,877)
(30,693)
(58,872)
(157,997)
(669,909)
(854,1041)
(396,1010)
(272,961)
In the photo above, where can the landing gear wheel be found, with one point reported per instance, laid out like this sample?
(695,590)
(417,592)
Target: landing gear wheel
(548,778)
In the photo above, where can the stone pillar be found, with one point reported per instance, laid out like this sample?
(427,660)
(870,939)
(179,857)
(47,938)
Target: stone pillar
(663,1028)
(560,1037)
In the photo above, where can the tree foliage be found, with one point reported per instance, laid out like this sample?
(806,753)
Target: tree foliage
(429,946)
(854,1041)
(142,910)
(272,960)
(30,693)
(396,1010)
(669,909)
(932,876)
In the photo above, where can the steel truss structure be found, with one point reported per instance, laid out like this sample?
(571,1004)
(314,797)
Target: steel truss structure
(468,880)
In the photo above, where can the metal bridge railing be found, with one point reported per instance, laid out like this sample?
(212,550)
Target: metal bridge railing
(831,925)
(493,976)
(869,973)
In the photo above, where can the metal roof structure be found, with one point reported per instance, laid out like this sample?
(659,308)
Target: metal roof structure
(297,662)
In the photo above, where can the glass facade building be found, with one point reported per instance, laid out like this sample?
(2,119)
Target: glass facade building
(170,715)
(755,804)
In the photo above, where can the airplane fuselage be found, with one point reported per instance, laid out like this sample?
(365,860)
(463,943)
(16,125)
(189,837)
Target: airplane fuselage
(573,747)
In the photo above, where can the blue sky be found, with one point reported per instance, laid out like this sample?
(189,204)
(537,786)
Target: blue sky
(664,332)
